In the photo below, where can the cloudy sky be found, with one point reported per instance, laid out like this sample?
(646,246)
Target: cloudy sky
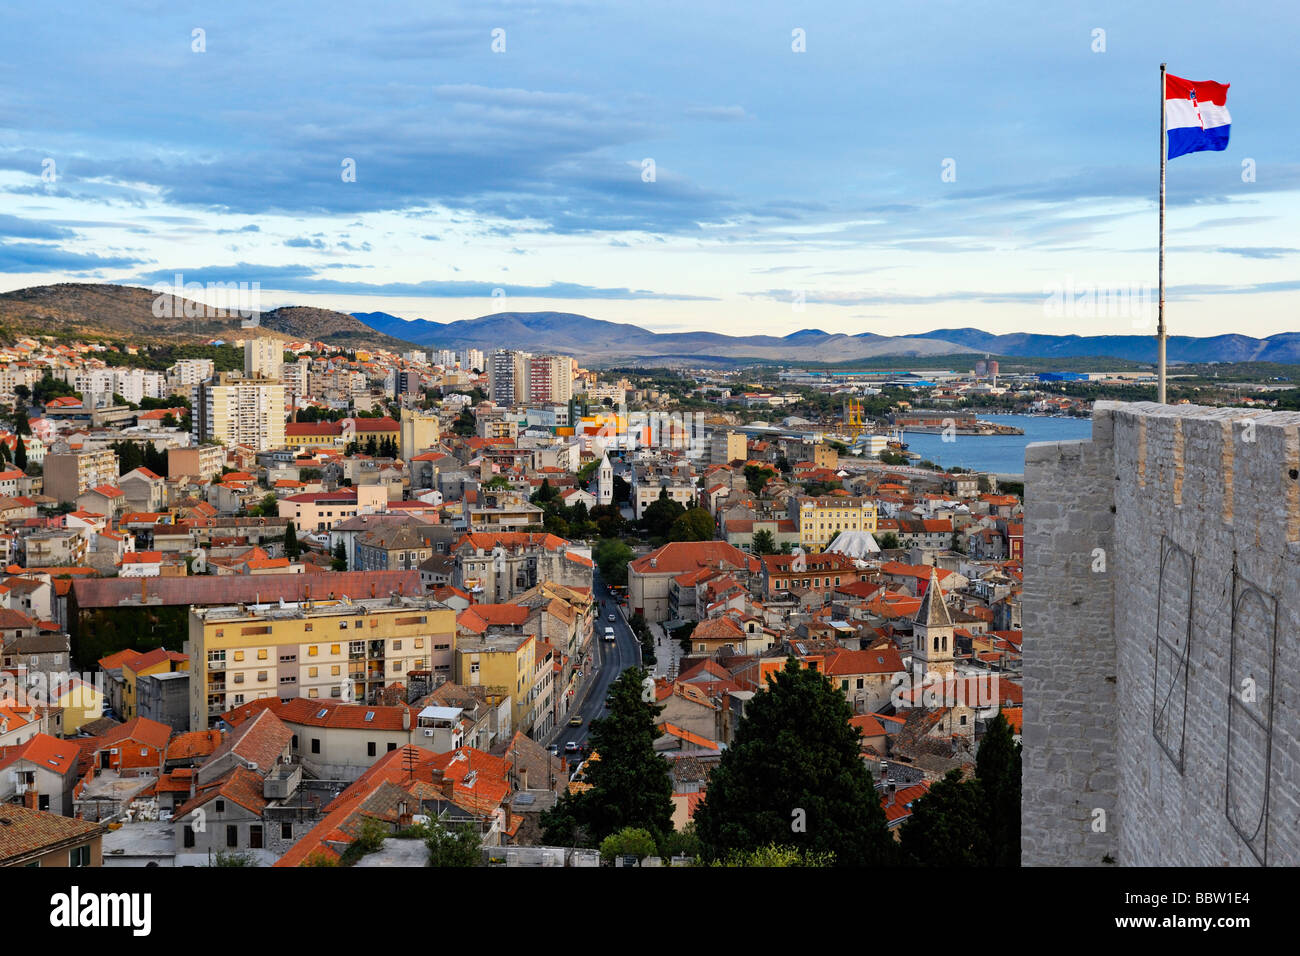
(845,166)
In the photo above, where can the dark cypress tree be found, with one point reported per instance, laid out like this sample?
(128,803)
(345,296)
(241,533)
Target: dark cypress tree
(630,783)
(997,768)
(795,777)
(20,453)
(291,547)
(949,825)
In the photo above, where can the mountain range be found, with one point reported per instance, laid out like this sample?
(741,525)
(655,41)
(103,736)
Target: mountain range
(588,338)
(118,311)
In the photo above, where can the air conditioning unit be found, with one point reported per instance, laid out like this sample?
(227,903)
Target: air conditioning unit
(428,733)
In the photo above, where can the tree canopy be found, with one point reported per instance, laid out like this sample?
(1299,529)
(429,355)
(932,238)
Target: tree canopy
(795,777)
(630,783)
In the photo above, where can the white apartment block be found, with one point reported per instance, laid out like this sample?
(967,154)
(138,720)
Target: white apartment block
(239,411)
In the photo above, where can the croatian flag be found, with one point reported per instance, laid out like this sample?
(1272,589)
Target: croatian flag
(1196,115)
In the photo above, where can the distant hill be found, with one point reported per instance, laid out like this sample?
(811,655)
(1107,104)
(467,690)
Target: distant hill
(596,339)
(589,338)
(118,311)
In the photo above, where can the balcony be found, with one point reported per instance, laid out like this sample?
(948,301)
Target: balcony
(215,687)
(217,665)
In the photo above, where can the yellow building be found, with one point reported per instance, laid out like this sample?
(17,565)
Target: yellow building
(502,660)
(82,702)
(821,519)
(157,661)
(339,650)
(419,432)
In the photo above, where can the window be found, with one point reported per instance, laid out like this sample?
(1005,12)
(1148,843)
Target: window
(255,836)
(334,671)
(397,645)
(963,720)
(261,655)
(392,747)
(311,651)
(232,836)
(261,675)
(335,692)
(343,625)
(189,837)
(286,831)
(221,806)
(397,667)
(307,627)
(844,685)
(861,683)
(419,643)
(313,692)
(239,678)
(315,745)
(370,748)
(311,671)
(295,741)
(239,655)
(334,648)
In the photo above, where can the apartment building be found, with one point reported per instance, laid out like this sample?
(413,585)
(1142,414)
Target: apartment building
(726,446)
(340,650)
(68,474)
(504,660)
(200,461)
(239,411)
(820,519)
(550,378)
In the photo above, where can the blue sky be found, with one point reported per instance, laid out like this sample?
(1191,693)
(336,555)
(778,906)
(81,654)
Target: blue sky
(790,189)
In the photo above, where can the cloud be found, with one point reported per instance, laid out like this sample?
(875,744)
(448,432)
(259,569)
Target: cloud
(33,257)
(302,279)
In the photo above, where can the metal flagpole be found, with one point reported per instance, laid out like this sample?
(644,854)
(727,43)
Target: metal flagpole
(1160,329)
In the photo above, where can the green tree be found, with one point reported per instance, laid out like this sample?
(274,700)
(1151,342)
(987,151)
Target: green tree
(773,855)
(233,859)
(612,556)
(20,453)
(693,525)
(630,841)
(464,424)
(291,547)
(268,507)
(997,768)
(764,542)
(795,777)
(756,476)
(458,847)
(949,825)
(340,559)
(630,783)
(658,518)
(887,541)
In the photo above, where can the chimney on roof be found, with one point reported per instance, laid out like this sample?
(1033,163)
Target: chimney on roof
(406,718)
(891,790)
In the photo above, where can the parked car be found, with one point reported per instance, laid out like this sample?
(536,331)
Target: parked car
(571,747)
(553,749)
(611,617)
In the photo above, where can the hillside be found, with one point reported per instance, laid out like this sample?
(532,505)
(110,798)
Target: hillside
(102,311)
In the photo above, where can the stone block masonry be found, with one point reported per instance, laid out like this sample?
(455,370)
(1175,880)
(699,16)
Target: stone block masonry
(1162,624)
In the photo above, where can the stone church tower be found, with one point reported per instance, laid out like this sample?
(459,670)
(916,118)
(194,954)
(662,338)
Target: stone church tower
(605,482)
(932,633)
